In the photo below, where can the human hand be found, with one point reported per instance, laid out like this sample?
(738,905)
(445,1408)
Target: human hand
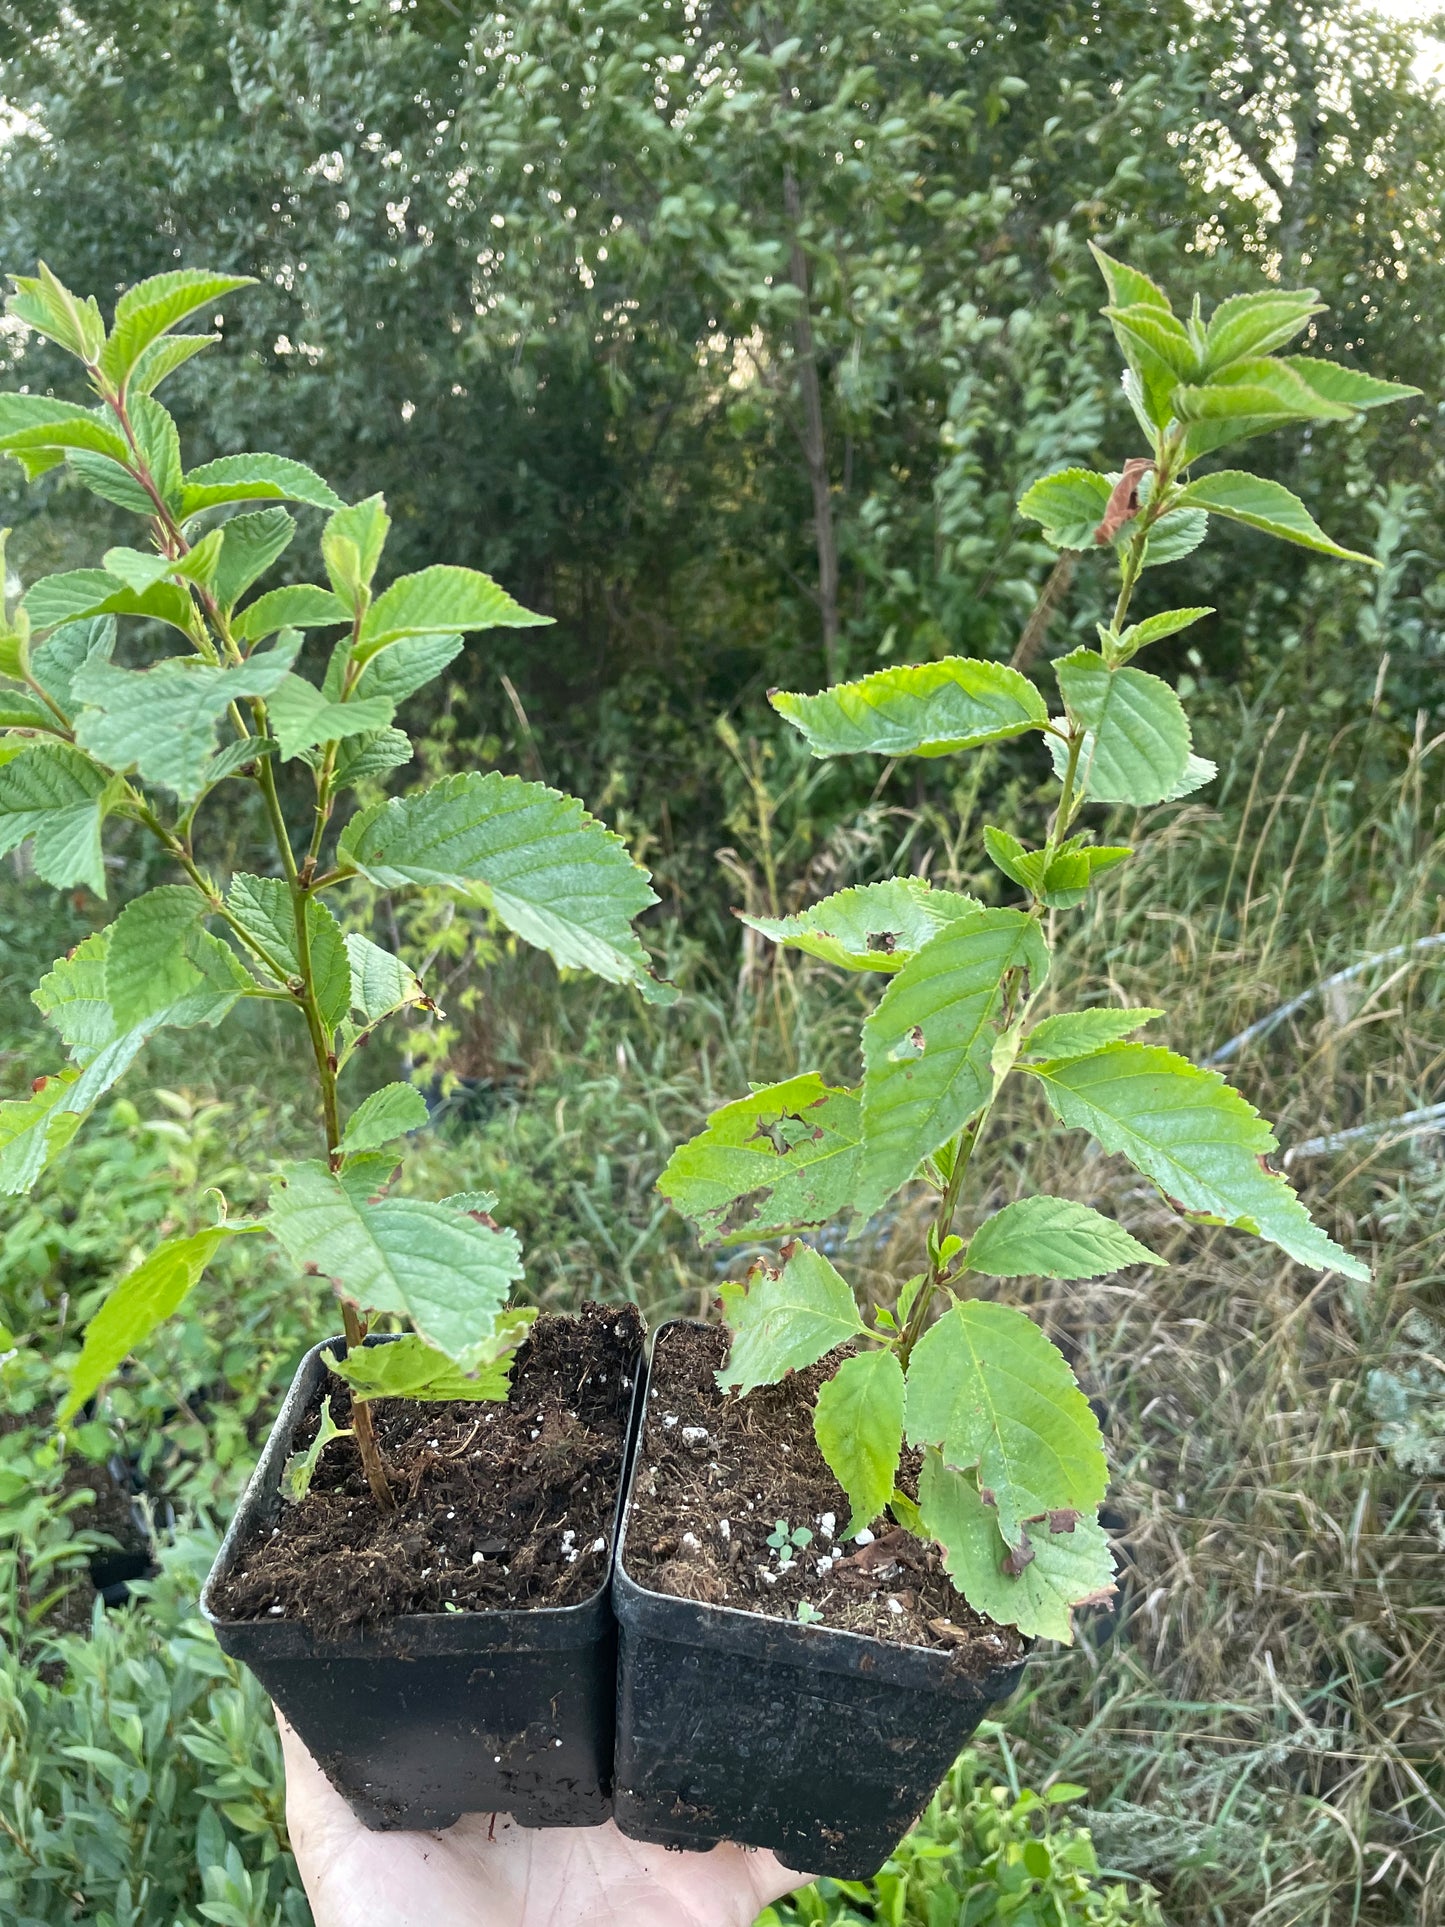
(487,1872)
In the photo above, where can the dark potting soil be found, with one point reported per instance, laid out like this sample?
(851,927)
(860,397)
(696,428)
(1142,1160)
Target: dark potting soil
(497,1505)
(715,1475)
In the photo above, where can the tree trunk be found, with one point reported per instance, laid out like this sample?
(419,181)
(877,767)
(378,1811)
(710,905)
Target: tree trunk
(814,440)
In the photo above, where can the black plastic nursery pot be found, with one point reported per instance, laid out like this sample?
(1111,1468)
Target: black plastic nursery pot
(436,1714)
(825,1746)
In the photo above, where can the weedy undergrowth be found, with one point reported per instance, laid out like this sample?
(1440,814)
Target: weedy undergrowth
(219,705)
(1013,1467)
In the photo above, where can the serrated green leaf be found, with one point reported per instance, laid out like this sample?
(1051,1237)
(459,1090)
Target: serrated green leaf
(110,481)
(370,755)
(927,1046)
(1064,1569)
(1348,387)
(162,721)
(1249,325)
(991,1392)
(858,1423)
(1175,535)
(20,710)
(1137,745)
(923,709)
(787,1319)
(300,1467)
(162,359)
(302,605)
(1128,287)
(54,662)
(79,593)
(43,302)
(1069,505)
(264,909)
(57,796)
(34,1130)
(1154,628)
(351,546)
(38,422)
(380,982)
(253,478)
(249,545)
(1074,1033)
(407,1367)
(549,871)
(484,1202)
(440,601)
(151,308)
(143,1299)
(148,963)
(159,442)
(1158,350)
(301,718)
(1198,1139)
(435,1265)
(1265,505)
(404,667)
(875,926)
(783,1159)
(389,1113)
(1044,1237)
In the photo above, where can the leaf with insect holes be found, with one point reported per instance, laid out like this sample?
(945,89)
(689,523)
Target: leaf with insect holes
(392,1112)
(1045,1237)
(263,907)
(53,794)
(407,1367)
(858,1423)
(380,982)
(300,1468)
(439,1267)
(301,717)
(1201,1142)
(440,601)
(875,926)
(34,1130)
(249,545)
(1265,505)
(1068,506)
(784,1158)
(1033,1586)
(143,1299)
(923,709)
(1138,745)
(927,1046)
(152,308)
(552,873)
(786,1319)
(1074,1033)
(254,478)
(990,1391)
(161,722)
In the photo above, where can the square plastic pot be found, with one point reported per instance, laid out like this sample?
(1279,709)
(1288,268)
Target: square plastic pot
(824,1746)
(436,1714)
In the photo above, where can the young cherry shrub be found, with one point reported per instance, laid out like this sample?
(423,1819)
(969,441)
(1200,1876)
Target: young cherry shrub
(88,744)
(1013,1465)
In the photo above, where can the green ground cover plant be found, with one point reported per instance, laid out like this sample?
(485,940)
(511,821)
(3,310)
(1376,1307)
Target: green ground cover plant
(206,699)
(1013,1464)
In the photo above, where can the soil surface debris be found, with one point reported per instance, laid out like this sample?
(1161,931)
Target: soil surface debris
(499,1505)
(735,1506)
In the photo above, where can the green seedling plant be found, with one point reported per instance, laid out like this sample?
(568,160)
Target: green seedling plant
(1013,1467)
(140,697)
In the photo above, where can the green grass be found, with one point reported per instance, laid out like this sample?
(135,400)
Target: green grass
(1258,1731)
